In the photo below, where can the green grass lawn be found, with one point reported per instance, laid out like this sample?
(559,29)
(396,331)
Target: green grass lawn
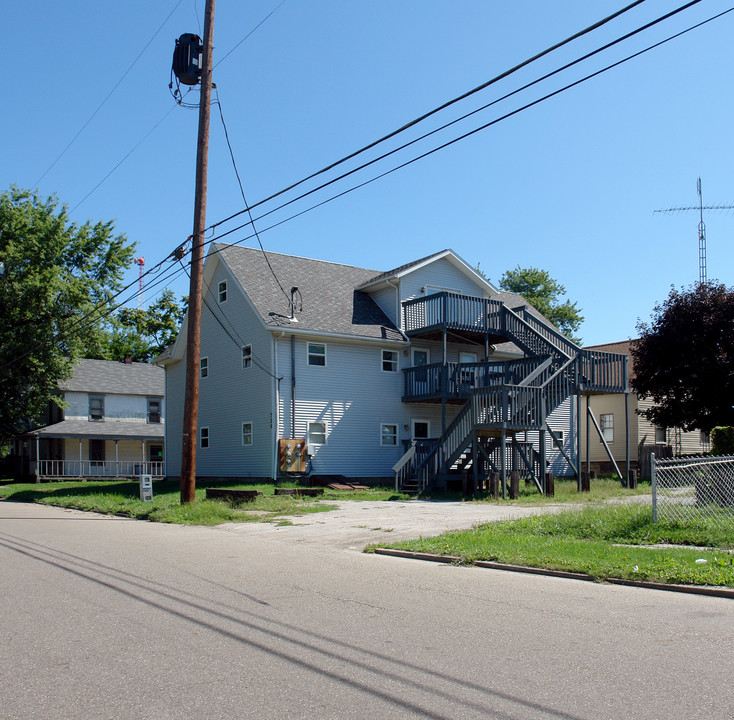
(610,541)
(122,498)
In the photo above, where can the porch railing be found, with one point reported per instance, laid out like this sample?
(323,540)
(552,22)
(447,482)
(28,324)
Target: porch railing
(97,468)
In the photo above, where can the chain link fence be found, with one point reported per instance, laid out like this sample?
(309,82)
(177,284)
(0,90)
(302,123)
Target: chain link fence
(692,488)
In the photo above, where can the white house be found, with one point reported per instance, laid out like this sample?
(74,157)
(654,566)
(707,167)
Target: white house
(110,423)
(428,359)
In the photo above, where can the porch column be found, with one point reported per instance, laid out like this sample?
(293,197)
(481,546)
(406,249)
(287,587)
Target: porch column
(81,459)
(117,459)
(38,460)
(142,452)
(503,461)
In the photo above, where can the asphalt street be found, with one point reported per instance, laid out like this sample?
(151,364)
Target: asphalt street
(106,617)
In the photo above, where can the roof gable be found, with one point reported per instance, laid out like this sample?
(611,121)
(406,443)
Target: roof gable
(327,299)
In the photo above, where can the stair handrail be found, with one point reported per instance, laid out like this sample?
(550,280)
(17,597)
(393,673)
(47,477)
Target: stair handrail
(398,467)
(559,342)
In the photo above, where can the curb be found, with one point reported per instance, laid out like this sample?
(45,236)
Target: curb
(455,559)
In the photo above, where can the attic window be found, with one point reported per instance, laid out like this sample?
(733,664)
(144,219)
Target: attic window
(223,291)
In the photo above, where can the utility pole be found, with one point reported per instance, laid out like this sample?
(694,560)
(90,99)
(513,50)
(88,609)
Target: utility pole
(191,401)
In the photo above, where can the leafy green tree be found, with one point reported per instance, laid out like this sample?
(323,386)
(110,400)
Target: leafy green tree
(144,334)
(684,359)
(57,277)
(544,294)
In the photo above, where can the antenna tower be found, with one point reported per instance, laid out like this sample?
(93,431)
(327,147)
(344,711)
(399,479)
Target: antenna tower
(702,278)
(140,262)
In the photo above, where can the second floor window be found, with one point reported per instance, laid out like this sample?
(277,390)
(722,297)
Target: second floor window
(389,361)
(222,291)
(246,356)
(204,437)
(204,367)
(317,354)
(154,410)
(96,408)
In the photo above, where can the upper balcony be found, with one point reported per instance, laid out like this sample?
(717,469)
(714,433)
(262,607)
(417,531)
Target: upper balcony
(473,318)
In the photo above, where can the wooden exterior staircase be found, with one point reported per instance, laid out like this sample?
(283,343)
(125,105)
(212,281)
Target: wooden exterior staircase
(499,398)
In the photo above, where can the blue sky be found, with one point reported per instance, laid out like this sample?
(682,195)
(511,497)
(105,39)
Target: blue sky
(569,185)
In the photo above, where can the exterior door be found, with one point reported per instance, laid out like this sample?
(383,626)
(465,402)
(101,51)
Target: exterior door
(467,376)
(420,376)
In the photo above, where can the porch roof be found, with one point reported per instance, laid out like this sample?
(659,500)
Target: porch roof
(108,430)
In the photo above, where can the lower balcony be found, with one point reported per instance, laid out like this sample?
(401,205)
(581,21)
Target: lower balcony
(454,381)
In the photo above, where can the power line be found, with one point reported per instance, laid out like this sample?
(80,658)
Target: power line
(402,165)
(242,191)
(272,12)
(447,104)
(109,94)
(454,140)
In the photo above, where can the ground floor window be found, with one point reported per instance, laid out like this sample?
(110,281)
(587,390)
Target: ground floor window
(247,434)
(389,434)
(606,423)
(316,433)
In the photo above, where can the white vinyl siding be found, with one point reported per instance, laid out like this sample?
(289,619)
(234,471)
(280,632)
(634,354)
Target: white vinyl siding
(439,274)
(229,393)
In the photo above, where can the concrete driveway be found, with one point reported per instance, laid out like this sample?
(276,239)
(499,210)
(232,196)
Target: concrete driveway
(353,525)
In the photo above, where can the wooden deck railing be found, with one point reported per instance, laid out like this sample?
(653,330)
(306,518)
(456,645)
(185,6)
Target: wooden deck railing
(456,380)
(603,371)
(451,310)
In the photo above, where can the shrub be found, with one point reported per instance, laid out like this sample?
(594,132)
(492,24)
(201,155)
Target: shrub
(722,440)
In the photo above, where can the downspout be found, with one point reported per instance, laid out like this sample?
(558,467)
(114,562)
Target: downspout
(276,409)
(293,386)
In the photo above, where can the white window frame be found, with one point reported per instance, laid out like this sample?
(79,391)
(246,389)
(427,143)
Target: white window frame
(393,363)
(204,438)
(245,433)
(246,357)
(204,367)
(664,432)
(222,292)
(311,433)
(396,435)
(310,354)
(608,429)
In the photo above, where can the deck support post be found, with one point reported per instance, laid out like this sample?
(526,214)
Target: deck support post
(588,436)
(541,447)
(444,377)
(474,461)
(578,440)
(626,440)
(503,461)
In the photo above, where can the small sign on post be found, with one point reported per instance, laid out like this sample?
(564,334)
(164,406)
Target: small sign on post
(146,488)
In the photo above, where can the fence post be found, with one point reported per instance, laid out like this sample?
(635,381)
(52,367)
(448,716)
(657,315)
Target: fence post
(654,488)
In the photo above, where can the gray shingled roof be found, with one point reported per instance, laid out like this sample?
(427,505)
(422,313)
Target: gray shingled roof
(330,302)
(116,378)
(108,429)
